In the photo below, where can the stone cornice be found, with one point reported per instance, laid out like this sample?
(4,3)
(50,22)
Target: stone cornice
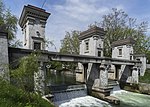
(32,11)
(3,34)
(91,32)
(123,42)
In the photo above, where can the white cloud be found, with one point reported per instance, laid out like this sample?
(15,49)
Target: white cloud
(81,10)
(73,15)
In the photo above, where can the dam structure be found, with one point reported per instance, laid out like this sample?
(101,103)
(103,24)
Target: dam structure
(97,73)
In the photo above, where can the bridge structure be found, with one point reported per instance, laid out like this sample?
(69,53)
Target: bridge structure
(94,68)
(97,77)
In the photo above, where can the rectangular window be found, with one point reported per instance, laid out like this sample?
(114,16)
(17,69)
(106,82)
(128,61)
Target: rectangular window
(37,46)
(120,52)
(130,57)
(87,46)
(99,53)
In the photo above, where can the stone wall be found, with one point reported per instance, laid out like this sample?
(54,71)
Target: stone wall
(3,55)
(127,50)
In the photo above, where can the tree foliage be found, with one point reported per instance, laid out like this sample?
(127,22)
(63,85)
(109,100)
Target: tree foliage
(11,96)
(19,91)
(23,76)
(70,44)
(119,25)
(8,22)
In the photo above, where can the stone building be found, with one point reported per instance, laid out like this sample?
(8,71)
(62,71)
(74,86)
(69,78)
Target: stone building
(123,49)
(91,42)
(33,22)
(143,59)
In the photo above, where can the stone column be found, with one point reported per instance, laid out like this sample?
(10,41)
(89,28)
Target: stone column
(135,75)
(103,76)
(80,73)
(4,63)
(39,79)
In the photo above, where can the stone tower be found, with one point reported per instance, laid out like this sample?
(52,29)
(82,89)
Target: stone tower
(91,42)
(32,22)
(123,49)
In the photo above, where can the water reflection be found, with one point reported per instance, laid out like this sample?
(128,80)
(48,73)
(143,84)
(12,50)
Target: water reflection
(127,99)
(60,78)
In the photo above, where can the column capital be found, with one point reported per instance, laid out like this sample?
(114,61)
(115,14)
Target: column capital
(104,66)
(135,68)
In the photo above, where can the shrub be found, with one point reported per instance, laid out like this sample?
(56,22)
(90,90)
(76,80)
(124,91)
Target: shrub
(11,96)
(145,78)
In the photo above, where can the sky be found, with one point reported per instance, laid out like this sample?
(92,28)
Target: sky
(69,15)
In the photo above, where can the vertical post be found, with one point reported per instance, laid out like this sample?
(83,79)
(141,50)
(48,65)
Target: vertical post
(39,79)
(80,73)
(4,72)
(103,76)
(135,74)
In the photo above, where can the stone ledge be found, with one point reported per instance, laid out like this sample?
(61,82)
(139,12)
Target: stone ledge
(112,99)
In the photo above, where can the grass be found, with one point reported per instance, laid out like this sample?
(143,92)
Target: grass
(10,96)
(145,78)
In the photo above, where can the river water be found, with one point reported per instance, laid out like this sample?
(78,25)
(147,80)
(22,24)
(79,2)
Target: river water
(127,99)
(130,99)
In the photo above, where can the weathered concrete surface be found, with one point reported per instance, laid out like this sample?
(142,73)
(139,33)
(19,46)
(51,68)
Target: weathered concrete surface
(4,72)
(39,79)
(16,53)
(103,76)
(143,59)
(112,99)
(101,92)
(148,66)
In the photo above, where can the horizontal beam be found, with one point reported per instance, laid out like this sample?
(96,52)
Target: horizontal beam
(55,56)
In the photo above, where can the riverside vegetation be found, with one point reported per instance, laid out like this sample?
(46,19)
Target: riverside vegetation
(19,92)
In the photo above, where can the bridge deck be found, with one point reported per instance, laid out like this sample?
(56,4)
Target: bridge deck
(16,53)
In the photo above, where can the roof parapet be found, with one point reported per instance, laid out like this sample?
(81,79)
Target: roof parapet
(123,42)
(92,31)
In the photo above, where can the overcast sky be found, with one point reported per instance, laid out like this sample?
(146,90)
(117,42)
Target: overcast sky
(67,15)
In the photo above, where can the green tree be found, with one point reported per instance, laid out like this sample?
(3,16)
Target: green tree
(23,76)
(8,23)
(70,44)
(19,91)
(119,25)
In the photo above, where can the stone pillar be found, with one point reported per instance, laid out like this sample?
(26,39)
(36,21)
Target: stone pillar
(80,73)
(135,75)
(103,76)
(39,79)
(4,72)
